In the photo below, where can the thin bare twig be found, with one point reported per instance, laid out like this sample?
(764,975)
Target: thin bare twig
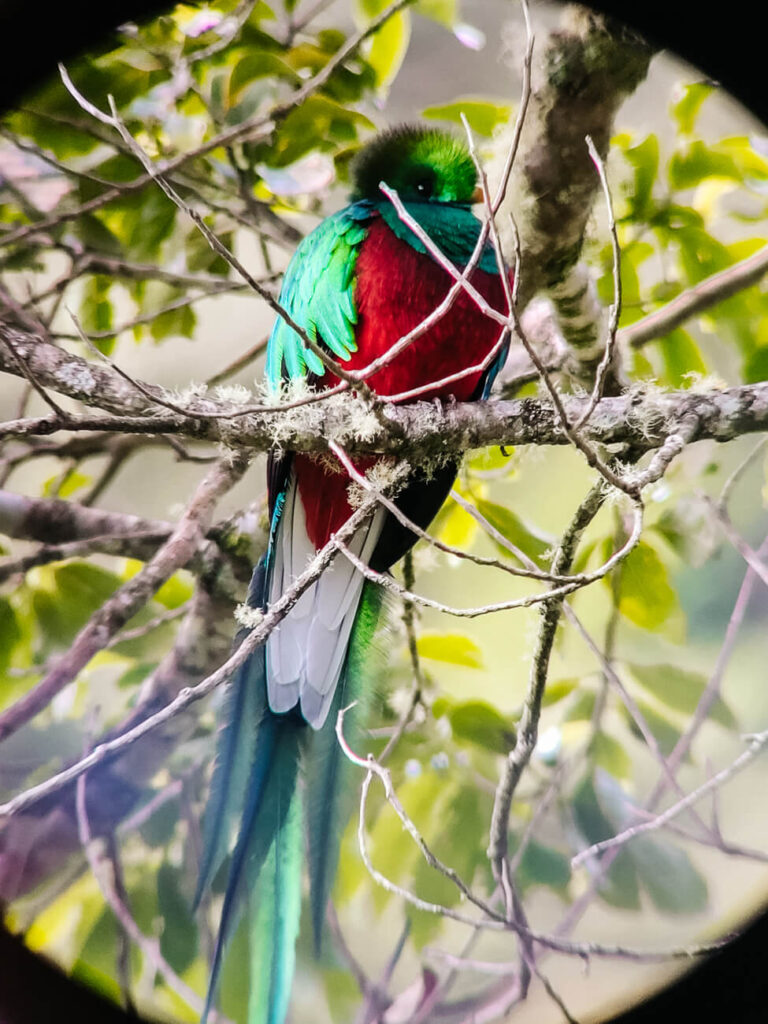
(757,744)
(104,873)
(615,311)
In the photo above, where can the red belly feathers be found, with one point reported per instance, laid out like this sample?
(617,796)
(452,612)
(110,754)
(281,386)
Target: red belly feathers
(396,289)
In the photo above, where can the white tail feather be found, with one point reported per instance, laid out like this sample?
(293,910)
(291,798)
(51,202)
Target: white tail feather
(305,653)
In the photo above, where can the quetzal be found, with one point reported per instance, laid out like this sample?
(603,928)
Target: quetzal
(358,283)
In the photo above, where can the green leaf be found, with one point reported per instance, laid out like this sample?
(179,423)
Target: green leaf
(98,954)
(69,596)
(393,851)
(148,220)
(118,169)
(681,357)
(136,674)
(632,256)
(386,51)
(64,486)
(686,110)
(178,939)
(179,322)
(696,161)
(461,844)
(97,236)
(543,865)
(645,594)
(530,541)
(671,880)
(665,733)
(484,116)
(644,158)
(450,647)
(176,591)
(582,708)
(665,871)
(491,459)
(312,126)
(62,140)
(756,366)
(258,64)
(620,887)
(681,690)
(444,12)
(10,632)
(97,980)
(557,690)
(475,721)
(454,526)
(609,754)
(341,993)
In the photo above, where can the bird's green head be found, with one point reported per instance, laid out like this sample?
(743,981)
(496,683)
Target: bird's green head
(421,164)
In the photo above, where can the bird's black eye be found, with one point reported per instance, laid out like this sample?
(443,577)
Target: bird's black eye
(423,183)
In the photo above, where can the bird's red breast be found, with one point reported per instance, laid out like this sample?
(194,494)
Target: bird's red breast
(398,287)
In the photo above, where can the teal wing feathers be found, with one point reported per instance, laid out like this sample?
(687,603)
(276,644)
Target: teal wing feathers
(318,293)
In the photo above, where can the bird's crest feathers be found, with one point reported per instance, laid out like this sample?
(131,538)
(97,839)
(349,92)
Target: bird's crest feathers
(421,164)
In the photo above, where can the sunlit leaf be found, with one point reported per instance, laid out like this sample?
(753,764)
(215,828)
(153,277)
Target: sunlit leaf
(393,851)
(581,709)
(386,50)
(644,158)
(690,165)
(444,12)
(681,690)
(10,632)
(686,110)
(179,322)
(523,536)
(258,65)
(461,844)
(483,116)
(756,366)
(608,753)
(450,647)
(477,722)
(557,690)
(71,594)
(454,526)
(491,459)
(682,358)
(646,596)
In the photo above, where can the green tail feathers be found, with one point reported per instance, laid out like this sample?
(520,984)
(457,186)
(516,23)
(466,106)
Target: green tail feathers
(330,775)
(275,907)
(256,780)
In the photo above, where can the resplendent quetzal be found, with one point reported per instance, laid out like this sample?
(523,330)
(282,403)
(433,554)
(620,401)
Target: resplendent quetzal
(357,284)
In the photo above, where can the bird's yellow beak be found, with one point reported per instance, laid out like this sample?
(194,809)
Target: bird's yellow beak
(477,195)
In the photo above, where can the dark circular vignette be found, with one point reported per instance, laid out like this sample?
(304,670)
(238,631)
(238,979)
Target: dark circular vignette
(728,45)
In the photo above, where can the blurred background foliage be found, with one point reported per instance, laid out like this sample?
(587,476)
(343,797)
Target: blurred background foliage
(690,183)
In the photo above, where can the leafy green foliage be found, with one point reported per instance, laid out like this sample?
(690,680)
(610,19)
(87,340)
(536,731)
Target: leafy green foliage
(451,648)
(483,116)
(477,722)
(646,596)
